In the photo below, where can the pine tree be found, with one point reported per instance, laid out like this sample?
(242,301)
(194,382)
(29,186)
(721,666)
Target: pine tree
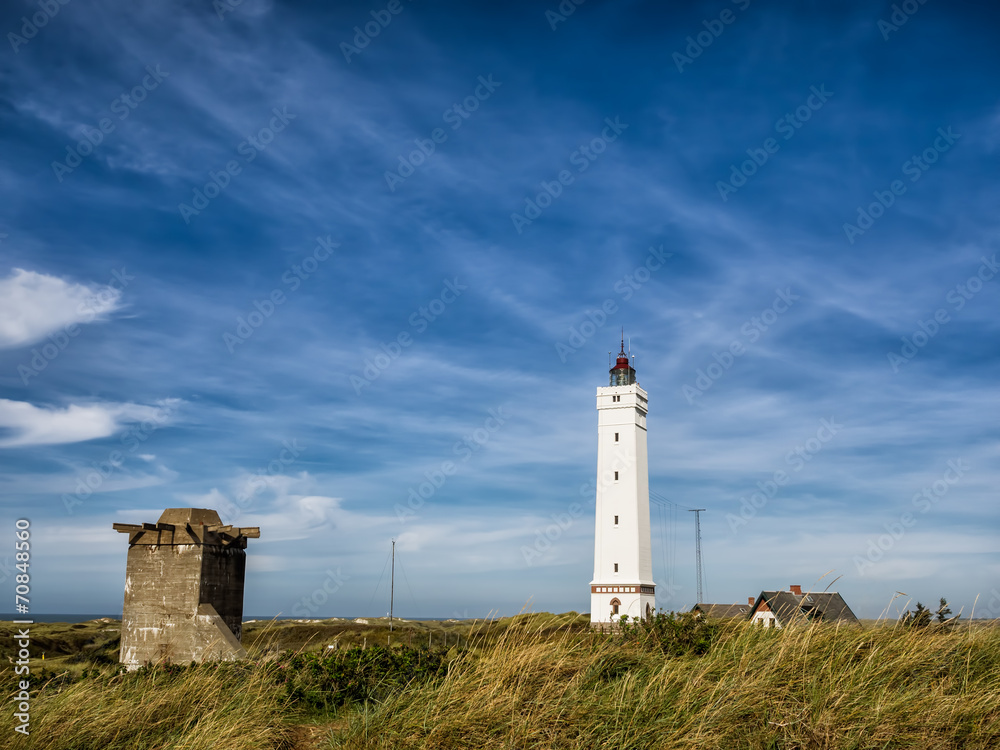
(943,611)
(918,618)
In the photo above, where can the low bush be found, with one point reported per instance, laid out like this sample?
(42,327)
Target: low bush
(672,633)
(325,682)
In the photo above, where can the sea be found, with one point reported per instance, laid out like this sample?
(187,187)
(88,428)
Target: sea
(56,618)
(7,617)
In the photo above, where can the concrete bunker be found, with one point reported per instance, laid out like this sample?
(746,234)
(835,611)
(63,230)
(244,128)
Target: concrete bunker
(184,589)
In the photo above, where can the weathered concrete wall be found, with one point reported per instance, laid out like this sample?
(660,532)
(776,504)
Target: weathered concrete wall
(161,588)
(184,583)
(223,570)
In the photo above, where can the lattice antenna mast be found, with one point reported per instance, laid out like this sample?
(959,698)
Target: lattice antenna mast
(697,550)
(392,583)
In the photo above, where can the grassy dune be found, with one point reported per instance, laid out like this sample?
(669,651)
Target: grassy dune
(815,687)
(545,681)
(65,645)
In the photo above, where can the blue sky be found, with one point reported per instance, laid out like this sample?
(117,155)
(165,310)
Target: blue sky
(308,267)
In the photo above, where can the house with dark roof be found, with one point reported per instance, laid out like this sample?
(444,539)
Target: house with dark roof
(723,611)
(776,609)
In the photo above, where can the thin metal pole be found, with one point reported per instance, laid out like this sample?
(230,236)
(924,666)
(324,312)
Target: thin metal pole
(697,549)
(392,583)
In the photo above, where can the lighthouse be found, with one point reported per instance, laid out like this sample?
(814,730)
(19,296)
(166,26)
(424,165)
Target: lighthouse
(623,565)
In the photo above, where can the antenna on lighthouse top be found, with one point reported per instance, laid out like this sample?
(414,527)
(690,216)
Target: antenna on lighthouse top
(622,373)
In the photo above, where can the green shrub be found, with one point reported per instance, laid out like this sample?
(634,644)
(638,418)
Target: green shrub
(325,682)
(674,634)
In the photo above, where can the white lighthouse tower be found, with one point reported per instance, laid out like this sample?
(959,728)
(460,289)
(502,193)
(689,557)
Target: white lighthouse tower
(623,565)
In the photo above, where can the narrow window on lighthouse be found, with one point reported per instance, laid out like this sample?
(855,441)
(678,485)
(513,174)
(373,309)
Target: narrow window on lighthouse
(616,476)
(616,520)
(616,437)
(616,567)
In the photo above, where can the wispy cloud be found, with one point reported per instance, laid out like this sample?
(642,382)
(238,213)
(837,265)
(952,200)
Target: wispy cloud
(34,305)
(496,345)
(27,424)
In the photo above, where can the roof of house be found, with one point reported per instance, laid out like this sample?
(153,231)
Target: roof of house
(826,606)
(722,610)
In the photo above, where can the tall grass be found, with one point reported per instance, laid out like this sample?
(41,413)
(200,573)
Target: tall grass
(212,706)
(814,686)
(533,682)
